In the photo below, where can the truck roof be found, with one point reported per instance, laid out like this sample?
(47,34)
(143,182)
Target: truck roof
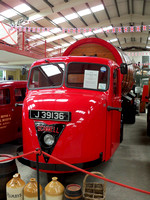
(12,83)
(86,59)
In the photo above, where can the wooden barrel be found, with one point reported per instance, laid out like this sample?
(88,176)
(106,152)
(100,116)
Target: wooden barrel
(73,192)
(7,170)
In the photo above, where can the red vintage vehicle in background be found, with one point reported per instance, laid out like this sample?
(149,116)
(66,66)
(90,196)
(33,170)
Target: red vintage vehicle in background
(12,93)
(73,105)
(146,99)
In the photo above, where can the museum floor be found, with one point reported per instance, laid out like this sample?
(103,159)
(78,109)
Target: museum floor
(129,165)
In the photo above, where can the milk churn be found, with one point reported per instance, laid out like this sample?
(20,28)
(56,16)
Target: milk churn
(14,188)
(31,190)
(54,190)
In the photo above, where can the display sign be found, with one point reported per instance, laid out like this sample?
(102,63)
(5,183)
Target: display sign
(90,79)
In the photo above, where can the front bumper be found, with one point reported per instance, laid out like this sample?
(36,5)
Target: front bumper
(57,167)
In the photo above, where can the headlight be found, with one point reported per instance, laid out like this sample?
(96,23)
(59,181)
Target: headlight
(49,140)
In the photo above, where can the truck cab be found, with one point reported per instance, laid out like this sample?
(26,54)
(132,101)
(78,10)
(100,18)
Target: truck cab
(12,93)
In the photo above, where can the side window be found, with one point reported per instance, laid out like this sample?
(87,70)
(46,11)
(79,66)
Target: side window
(115,83)
(20,94)
(4,96)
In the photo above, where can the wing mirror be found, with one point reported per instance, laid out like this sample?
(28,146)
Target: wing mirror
(123,68)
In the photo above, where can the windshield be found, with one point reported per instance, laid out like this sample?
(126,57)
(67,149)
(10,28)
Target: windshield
(50,75)
(88,76)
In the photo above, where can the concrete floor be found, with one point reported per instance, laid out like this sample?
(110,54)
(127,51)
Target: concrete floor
(129,165)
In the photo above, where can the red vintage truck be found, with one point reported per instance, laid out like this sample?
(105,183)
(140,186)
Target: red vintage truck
(12,93)
(73,105)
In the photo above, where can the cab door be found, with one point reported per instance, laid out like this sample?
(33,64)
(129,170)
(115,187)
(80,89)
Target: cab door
(19,95)
(6,115)
(116,111)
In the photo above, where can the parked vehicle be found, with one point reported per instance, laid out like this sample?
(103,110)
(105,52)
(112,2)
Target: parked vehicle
(146,98)
(73,106)
(12,93)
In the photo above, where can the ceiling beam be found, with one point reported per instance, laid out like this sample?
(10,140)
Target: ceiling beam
(32,7)
(74,10)
(128,6)
(144,3)
(117,8)
(48,3)
(132,1)
(92,13)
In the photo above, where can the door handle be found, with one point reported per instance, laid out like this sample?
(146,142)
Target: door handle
(18,104)
(109,108)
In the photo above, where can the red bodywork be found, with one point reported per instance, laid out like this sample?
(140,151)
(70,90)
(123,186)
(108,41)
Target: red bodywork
(92,130)
(93,133)
(11,115)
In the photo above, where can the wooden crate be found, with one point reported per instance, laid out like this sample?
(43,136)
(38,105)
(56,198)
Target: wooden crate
(94,190)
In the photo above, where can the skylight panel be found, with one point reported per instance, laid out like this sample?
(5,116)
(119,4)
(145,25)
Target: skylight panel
(35,17)
(103,29)
(71,16)
(113,40)
(22,8)
(107,28)
(84,12)
(89,33)
(50,49)
(98,31)
(56,30)
(97,8)
(65,45)
(34,37)
(45,33)
(57,47)
(57,37)
(78,36)
(59,20)
(9,13)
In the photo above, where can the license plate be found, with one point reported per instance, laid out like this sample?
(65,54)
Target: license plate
(50,115)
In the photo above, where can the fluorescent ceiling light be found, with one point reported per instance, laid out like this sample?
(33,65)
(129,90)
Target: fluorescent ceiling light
(45,33)
(34,37)
(148,38)
(35,17)
(148,47)
(50,49)
(56,30)
(78,36)
(71,16)
(9,13)
(97,8)
(59,20)
(22,8)
(57,37)
(84,12)
(88,33)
